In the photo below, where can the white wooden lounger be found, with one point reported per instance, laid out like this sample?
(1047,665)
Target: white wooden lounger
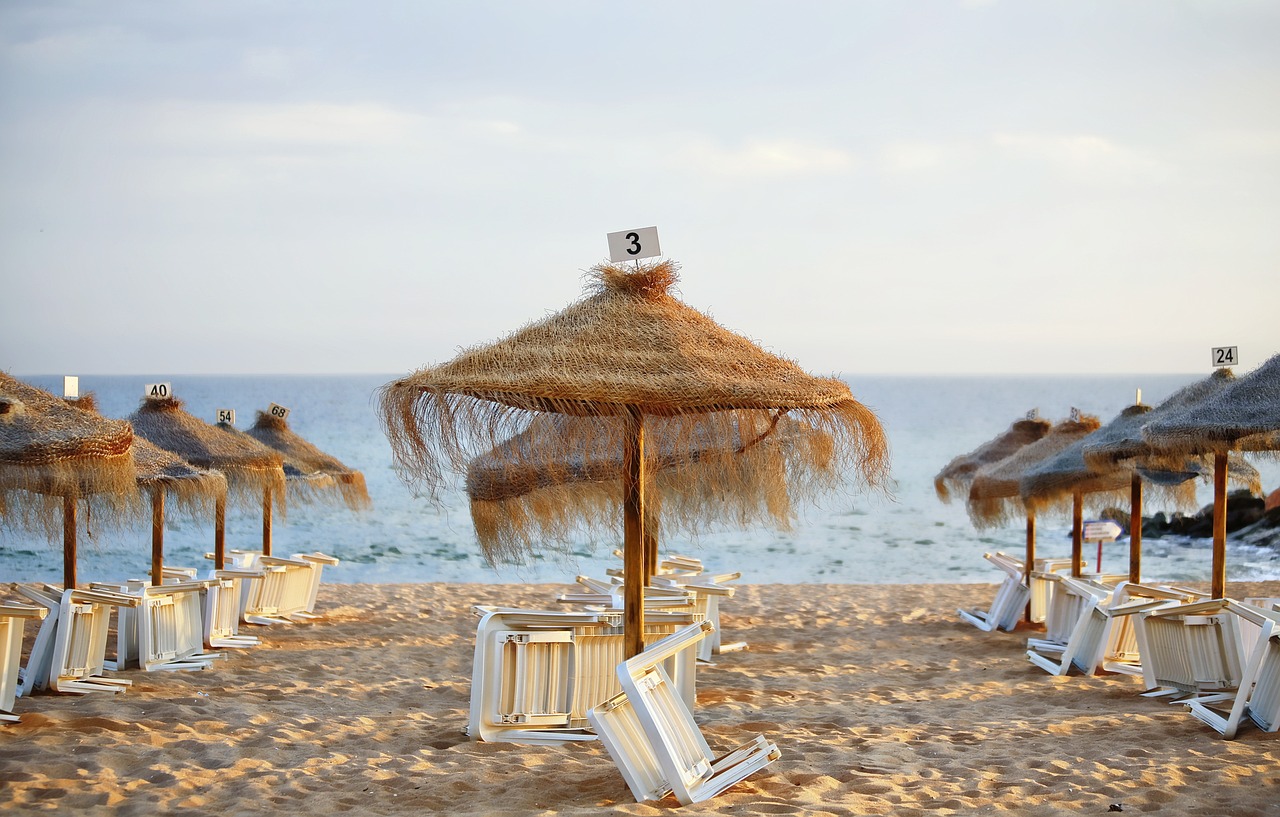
(651,735)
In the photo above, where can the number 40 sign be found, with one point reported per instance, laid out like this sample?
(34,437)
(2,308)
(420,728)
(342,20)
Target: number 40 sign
(627,245)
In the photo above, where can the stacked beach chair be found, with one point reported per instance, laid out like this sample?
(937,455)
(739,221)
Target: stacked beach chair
(554,676)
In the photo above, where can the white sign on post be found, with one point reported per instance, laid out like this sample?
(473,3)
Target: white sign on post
(71,387)
(632,245)
(227,417)
(278,411)
(1225,356)
(157,391)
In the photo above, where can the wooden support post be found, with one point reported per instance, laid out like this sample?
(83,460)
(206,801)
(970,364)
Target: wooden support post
(266,522)
(1219,577)
(1135,529)
(68,543)
(1077,534)
(633,542)
(1030,562)
(157,536)
(219,532)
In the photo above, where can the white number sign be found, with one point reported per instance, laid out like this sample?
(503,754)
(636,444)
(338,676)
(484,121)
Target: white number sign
(1225,356)
(629,245)
(71,387)
(278,411)
(227,417)
(157,391)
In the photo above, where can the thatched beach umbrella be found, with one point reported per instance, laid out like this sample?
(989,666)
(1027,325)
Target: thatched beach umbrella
(1066,479)
(1242,416)
(956,476)
(626,351)
(164,475)
(995,493)
(253,471)
(520,497)
(1121,441)
(318,474)
(52,456)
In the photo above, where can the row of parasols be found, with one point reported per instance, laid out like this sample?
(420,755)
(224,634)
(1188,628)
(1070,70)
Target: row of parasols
(58,456)
(1204,429)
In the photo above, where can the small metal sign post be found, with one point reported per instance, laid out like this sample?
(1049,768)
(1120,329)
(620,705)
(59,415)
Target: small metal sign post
(1101,531)
(71,387)
(1225,356)
(226,417)
(278,411)
(157,391)
(632,245)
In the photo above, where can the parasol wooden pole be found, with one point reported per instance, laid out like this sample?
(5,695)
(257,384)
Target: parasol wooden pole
(1135,528)
(68,543)
(1030,562)
(1219,578)
(1077,534)
(157,537)
(219,531)
(266,522)
(633,541)
(650,553)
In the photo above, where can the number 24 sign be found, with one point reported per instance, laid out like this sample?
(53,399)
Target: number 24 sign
(627,245)
(1225,356)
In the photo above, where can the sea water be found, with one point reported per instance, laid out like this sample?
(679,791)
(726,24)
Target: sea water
(908,535)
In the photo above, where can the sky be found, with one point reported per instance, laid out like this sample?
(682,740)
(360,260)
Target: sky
(870,186)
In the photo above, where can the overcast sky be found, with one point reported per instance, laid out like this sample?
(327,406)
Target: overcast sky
(863,187)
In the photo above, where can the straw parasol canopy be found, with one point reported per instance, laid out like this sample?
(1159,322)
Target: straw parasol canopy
(319,475)
(253,471)
(627,350)
(164,475)
(995,494)
(53,455)
(519,498)
(1242,416)
(958,474)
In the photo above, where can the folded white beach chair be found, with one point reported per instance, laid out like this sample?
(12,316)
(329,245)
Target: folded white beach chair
(287,588)
(1103,635)
(69,653)
(13,619)
(1258,695)
(651,735)
(165,629)
(535,673)
(1190,650)
(221,606)
(1069,602)
(1010,601)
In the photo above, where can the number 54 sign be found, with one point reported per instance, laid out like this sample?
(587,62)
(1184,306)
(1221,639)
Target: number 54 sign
(627,245)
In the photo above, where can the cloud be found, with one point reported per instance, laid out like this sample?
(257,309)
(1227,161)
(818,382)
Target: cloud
(1081,154)
(766,158)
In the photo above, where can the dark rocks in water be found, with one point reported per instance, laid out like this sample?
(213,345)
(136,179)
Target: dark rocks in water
(1243,511)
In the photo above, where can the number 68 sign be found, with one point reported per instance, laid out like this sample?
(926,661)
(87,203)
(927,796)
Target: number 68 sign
(628,245)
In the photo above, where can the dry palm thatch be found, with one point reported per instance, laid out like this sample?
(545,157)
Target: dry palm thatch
(193,490)
(958,473)
(51,453)
(1124,439)
(251,469)
(1053,483)
(317,474)
(1242,416)
(628,347)
(519,498)
(995,493)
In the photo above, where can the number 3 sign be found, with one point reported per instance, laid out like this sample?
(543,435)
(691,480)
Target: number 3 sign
(628,245)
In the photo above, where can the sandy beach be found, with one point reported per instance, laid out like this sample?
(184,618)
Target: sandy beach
(880,698)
